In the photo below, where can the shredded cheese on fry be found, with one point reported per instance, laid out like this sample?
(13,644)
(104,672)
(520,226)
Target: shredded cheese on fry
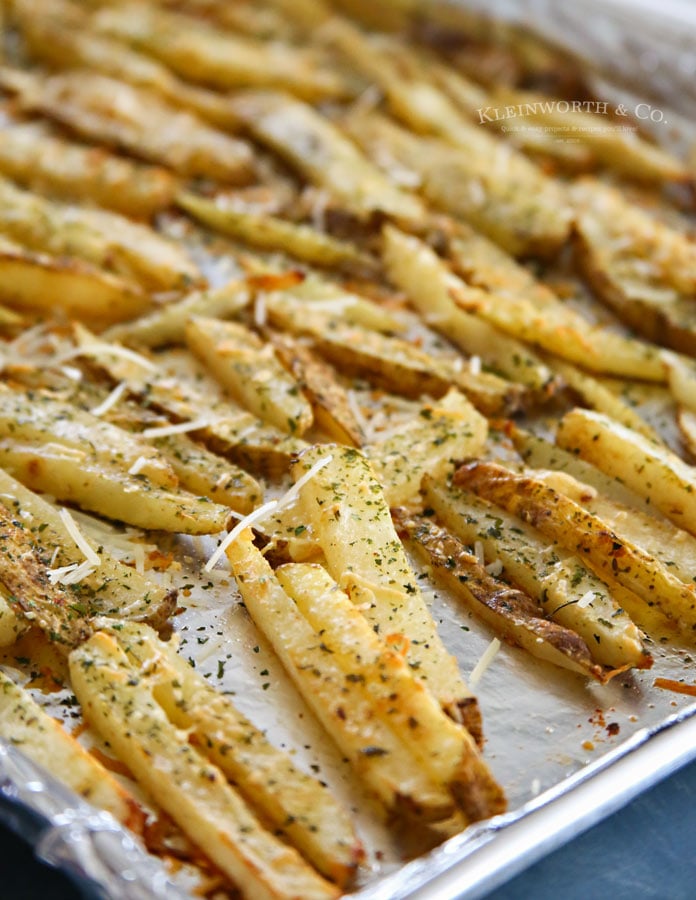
(487,658)
(586,599)
(71,527)
(111,400)
(104,349)
(138,465)
(256,515)
(72,574)
(260,311)
(495,568)
(475,365)
(180,428)
(479,554)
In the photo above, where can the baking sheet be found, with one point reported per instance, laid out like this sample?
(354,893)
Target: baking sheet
(567,751)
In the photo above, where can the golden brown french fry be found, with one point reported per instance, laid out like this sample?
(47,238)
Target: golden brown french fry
(296,803)
(220,59)
(44,740)
(104,239)
(556,578)
(429,284)
(113,112)
(498,191)
(443,431)
(389,769)
(37,282)
(167,324)
(273,233)
(509,612)
(649,469)
(38,159)
(250,371)
(322,154)
(446,750)
(371,566)
(565,521)
(193,791)
(319,382)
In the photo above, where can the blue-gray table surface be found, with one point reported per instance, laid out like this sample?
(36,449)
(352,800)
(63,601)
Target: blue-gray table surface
(643,852)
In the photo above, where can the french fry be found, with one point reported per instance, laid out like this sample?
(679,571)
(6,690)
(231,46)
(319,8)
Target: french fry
(319,383)
(445,430)
(555,578)
(60,33)
(508,611)
(318,150)
(37,282)
(59,449)
(104,239)
(681,376)
(47,743)
(273,233)
(429,283)
(220,59)
(346,508)
(34,157)
(640,267)
(389,769)
(250,371)
(193,791)
(299,805)
(141,123)
(565,333)
(565,521)
(112,589)
(446,750)
(649,469)
(603,400)
(167,325)
(498,191)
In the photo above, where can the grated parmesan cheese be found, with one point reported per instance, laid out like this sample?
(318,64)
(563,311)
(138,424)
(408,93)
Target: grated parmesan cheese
(180,428)
(586,599)
(262,511)
(475,365)
(111,400)
(487,658)
(495,568)
(479,554)
(72,574)
(104,349)
(260,317)
(138,465)
(83,544)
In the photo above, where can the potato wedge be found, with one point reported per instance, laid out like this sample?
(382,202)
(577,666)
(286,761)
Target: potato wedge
(296,803)
(445,750)
(36,282)
(33,156)
(445,430)
(565,521)
(167,325)
(44,740)
(389,769)
(429,283)
(330,402)
(681,376)
(273,233)
(112,589)
(510,613)
(220,59)
(193,791)
(649,469)
(371,566)
(136,120)
(104,239)
(320,153)
(250,371)
(498,191)
(60,33)
(556,578)
(643,269)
